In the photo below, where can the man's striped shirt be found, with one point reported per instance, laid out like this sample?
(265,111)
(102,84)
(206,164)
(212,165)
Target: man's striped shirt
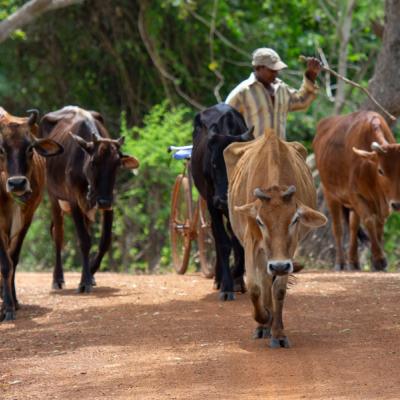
(254,102)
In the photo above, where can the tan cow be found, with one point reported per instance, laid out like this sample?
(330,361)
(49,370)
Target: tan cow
(358,161)
(272,201)
(22,182)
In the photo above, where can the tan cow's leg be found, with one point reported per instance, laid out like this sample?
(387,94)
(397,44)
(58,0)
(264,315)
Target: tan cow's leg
(254,283)
(353,248)
(279,338)
(374,228)
(335,209)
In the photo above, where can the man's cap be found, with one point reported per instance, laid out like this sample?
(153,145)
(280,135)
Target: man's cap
(268,58)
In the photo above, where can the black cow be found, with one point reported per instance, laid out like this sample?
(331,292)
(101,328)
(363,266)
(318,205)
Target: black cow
(214,129)
(81,181)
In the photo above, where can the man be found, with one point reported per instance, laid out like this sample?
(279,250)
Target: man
(264,100)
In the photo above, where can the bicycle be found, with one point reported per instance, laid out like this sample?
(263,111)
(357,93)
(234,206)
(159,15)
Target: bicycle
(189,220)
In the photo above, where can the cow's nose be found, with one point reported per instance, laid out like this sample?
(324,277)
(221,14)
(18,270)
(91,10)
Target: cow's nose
(104,203)
(280,267)
(17,184)
(395,205)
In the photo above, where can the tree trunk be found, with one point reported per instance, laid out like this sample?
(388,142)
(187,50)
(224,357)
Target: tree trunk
(385,84)
(344,33)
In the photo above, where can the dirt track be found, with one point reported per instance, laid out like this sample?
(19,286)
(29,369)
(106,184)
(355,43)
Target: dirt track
(167,337)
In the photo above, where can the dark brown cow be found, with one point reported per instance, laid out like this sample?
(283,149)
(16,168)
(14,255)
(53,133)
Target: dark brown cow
(81,181)
(22,178)
(359,165)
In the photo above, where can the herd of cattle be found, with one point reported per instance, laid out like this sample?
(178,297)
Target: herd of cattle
(260,195)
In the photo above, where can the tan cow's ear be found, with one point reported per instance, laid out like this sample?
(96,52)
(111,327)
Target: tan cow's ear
(48,147)
(368,155)
(129,162)
(247,209)
(311,218)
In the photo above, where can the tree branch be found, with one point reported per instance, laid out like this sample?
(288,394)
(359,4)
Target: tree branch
(325,68)
(29,12)
(158,63)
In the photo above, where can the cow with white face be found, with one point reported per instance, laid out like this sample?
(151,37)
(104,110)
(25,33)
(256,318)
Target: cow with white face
(272,201)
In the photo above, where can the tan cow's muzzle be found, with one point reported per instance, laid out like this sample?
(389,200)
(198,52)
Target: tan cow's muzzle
(279,267)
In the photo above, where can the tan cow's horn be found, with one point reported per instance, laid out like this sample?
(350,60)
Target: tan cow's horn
(261,195)
(95,139)
(120,141)
(377,147)
(289,192)
(34,114)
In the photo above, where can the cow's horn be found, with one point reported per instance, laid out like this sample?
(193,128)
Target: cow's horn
(261,195)
(120,141)
(248,135)
(377,147)
(95,139)
(33,117)
(289,192)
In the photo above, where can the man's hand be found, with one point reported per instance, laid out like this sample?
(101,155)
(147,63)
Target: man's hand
(313,68)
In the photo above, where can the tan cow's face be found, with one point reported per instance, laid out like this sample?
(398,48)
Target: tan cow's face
(275,218)
(16,153)
(387,168)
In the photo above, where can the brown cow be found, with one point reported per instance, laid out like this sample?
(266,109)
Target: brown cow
(22,178)
(82,181)
(359,165)
(272,200)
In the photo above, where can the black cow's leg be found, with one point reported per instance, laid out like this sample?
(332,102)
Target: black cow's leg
(14,255)
(105,241)
(85,244)
(57,232)
(238,268)
(7,311)
(223,249)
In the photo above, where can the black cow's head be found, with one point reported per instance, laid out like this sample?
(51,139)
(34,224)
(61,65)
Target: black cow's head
(17,146)
(100,168)
(217,143)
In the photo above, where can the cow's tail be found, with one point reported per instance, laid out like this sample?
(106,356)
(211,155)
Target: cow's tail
(361,234)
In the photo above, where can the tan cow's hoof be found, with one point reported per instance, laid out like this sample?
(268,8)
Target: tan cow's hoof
(278,343)
(262,332)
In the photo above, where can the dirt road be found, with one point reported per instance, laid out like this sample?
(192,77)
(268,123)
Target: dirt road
(168,337)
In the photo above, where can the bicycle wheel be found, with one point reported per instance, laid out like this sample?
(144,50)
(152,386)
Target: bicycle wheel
(205,242)
(179,226)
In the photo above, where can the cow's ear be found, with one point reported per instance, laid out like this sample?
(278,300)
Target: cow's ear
(311,218)
(48,147)
(129,162)
(248,135)
(212,138)
(247,209)
(98,116)
(367,155)
(87,146)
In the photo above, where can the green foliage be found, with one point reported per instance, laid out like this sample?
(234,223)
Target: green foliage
(392,241)
(143,205)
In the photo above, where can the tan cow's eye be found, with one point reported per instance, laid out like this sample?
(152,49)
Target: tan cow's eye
(380,171)
(259,222)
